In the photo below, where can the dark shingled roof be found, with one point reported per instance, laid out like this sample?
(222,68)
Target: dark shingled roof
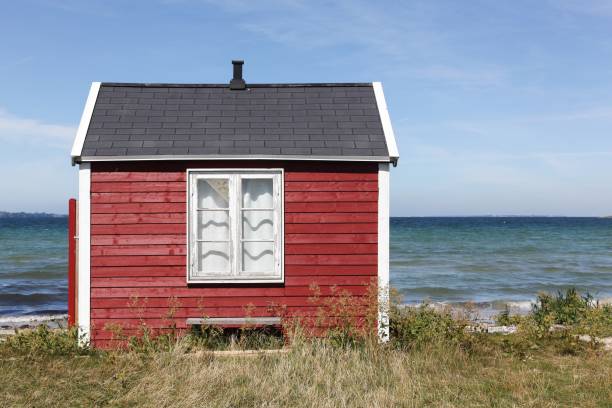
(284,120)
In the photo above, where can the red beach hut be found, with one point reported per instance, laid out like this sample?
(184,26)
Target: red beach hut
(211,199)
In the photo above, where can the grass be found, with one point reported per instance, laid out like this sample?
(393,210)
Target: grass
(312,374)
(432,360)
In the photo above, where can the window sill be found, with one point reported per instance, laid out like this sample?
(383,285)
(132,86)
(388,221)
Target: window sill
(241,282)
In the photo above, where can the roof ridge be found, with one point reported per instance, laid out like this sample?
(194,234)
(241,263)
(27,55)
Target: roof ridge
(263,85)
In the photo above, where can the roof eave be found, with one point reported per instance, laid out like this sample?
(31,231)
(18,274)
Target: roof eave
(377,159)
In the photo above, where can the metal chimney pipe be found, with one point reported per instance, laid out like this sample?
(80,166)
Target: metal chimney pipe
(237,82)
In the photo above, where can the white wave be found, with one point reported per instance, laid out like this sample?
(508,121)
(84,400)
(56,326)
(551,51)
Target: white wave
(15,320)
(523,306)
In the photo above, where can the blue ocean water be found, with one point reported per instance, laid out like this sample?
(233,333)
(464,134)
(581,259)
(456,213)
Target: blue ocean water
(499,259)
(455,260)
(33,265)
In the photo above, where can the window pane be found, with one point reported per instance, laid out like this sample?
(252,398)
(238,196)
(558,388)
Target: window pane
(257,193)
(213,225)
(257,224)
(258,258)
(213,258)
(213,193)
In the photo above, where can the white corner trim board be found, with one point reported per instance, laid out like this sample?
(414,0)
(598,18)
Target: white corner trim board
(383,251)
(83,278)
(77,147)
(386,121)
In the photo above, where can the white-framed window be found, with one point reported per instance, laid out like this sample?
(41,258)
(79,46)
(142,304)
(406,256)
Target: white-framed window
(235,226)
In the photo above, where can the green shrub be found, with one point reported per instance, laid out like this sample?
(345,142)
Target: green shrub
(567,309)
(575,313)
(597,321)
(414,327)
(43,341)
(506,319)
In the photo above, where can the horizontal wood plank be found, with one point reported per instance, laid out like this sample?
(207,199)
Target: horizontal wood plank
(336,249)
(312,270)
(325,218)
(144,271)
(332,186)
(226,292)
(363,228)
(331,238)
(299,176)
(274,303)
(353,259)
(138,208)
(158,239)
(136,229)
(104,176)
(116,219)
(322,196)
(138,187)
(195,312)
(107,198)
(332,207)
(180,281)
(129,250)
(181,271)
(138,260)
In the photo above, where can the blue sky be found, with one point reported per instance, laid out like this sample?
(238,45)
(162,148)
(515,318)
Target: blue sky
(498,107)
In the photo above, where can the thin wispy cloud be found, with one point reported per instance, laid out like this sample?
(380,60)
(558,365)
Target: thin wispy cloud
(602,113)
(437,154)
(26,131)
(15,63)
(469,76)
(599,8)
(96,8)
(403,41)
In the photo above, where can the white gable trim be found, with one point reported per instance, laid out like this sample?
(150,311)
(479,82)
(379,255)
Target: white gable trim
(383,251)
(77,147)
(84,237)
(386,122)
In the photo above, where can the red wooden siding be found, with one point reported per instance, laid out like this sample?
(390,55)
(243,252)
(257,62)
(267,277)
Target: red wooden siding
(138,252)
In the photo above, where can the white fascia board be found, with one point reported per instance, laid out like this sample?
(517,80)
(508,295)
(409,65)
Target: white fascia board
(383,252)
(84,237)
(233,157)
(79,140)
(386,122)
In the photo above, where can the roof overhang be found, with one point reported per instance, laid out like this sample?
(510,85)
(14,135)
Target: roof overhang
(386,123)
(79,140)
(376,159)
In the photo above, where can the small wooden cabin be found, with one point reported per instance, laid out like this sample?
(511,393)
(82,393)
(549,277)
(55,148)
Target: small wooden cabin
(221,200)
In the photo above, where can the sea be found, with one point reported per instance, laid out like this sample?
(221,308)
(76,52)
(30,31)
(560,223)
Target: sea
(487,262)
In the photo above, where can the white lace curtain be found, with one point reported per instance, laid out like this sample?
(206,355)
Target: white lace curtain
(257,252)
(256,218)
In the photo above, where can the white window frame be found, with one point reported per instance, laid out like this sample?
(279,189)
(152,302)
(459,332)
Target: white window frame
(235,207)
